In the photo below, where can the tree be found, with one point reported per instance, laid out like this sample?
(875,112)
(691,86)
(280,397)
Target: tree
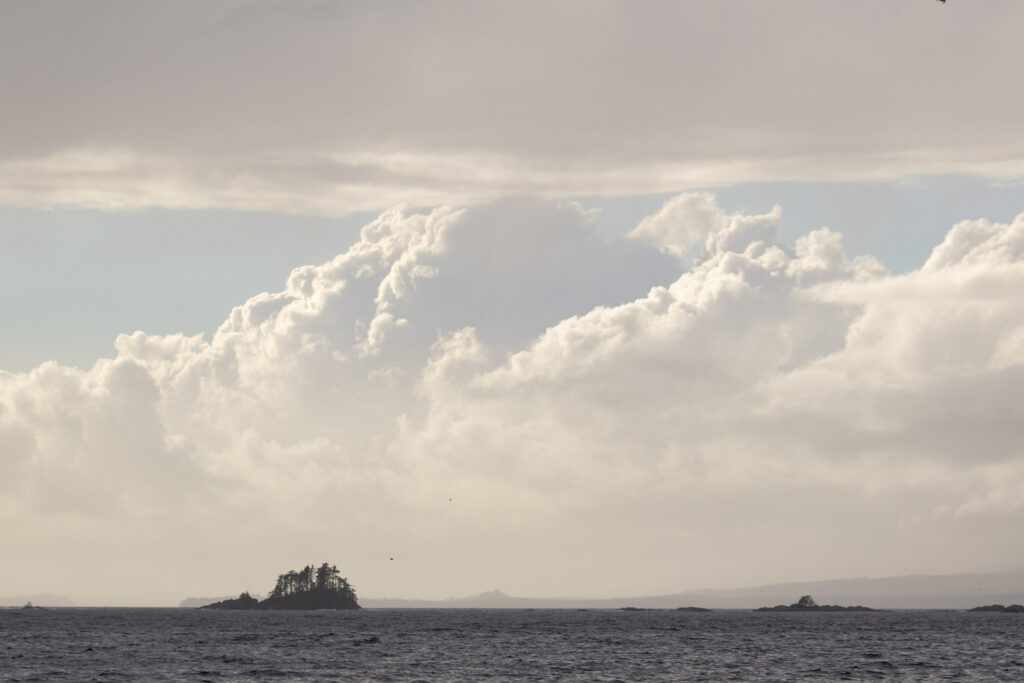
(806,601)
(325,578)
(306,578)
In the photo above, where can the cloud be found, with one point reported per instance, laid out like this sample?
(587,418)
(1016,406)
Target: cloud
(694,218)
(90,441)
(304,107)
(585,401)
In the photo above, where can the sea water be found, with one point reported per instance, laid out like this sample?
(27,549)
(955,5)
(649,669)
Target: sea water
(529,645)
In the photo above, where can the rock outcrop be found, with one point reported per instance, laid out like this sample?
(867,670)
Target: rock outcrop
(807,604)
(998,608)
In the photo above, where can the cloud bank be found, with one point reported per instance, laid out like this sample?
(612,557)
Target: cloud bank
(496,395)
(333,108)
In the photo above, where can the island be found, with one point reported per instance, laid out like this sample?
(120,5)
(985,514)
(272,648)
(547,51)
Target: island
(807,604)
(310,588)
(998,608)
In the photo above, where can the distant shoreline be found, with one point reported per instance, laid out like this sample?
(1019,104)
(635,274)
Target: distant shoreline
(981,610)
(909,592)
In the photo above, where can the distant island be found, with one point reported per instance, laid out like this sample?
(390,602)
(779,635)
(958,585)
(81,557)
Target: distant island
(678,609)
(37,600)
(310,588)
(807,604)
(998,608)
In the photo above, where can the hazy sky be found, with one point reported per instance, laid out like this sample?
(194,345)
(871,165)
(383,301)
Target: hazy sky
(572,298)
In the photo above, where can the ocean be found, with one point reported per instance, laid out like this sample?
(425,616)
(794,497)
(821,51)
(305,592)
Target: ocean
(92,644)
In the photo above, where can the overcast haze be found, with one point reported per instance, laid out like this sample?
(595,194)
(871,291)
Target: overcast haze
(567,299)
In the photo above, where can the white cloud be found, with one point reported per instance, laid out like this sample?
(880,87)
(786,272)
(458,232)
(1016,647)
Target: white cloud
(584,401)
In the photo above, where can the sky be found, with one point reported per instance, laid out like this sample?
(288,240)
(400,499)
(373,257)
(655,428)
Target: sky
(576,299)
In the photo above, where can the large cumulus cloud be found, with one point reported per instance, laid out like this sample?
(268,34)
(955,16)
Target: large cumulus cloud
(668,405)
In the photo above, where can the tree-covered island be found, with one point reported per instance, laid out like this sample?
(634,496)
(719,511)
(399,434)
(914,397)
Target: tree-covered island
(320,587)
(807,604)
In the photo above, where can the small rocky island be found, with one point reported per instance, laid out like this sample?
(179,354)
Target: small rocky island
(807,604)
(998,608)
(310,588)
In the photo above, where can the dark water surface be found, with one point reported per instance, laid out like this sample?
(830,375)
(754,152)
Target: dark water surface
(470,645)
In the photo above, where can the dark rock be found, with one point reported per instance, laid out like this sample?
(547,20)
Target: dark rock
(243,601)
(997,608)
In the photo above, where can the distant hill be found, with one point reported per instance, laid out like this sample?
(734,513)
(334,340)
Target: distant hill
(496,599)
(39,600)
(490,600)
(918,591)
(923,591)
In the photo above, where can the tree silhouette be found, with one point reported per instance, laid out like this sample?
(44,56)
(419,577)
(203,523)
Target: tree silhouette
(325,581)
(311,587)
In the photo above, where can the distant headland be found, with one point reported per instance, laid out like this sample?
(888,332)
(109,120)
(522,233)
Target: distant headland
(807,604)
(310,588)
(998,608)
